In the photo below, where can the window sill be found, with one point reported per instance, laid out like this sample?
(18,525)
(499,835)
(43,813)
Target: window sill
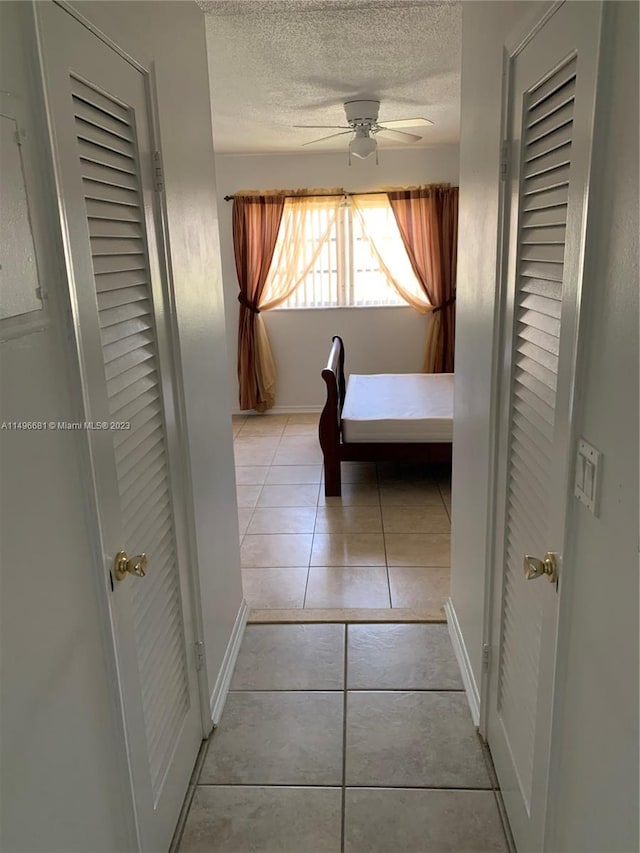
(339,308)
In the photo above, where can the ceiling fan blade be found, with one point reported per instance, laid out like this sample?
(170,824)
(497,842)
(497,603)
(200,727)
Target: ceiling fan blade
(408,122)
(325,126)
(398,135)
(323,138)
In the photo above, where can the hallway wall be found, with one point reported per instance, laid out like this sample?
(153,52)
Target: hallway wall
(485,27)
(593,792)
(62,761)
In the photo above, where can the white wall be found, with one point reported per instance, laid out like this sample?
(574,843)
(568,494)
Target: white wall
(60,763)
(171,37)
(593,795)
(485,26)
(377,340)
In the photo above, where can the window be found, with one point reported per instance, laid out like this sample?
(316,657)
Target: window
(346,271)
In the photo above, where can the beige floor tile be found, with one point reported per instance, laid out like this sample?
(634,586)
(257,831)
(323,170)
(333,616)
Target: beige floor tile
(263,425)
(443,820)
(237,422)
(290,495)
(347,587)
(410,739)
(293,657)
(348,519)
(293,474)
(275,588)
(298,450)
(409,519)
(255,450)
(304,418)
(348,549)
(276,738)
(418,587)
(445,491)
(353,494)
(300,440)
(418,549)
(290,519)
(410,494)
(310,428)
(247,495)
(244,517)
(239,818)
(251,475)
(275,550)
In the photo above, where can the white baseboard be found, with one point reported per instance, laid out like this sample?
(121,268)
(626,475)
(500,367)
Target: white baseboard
(219,694)
(280,410)
(470,686)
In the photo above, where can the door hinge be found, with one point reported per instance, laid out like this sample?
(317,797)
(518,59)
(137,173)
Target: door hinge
(199,654)
(486,653)
(504,161)
(158,175)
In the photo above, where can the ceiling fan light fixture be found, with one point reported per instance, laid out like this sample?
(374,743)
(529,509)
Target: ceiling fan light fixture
(363,146)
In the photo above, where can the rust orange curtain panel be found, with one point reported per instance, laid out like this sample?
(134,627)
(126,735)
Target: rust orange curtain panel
(428,221)
(256,222)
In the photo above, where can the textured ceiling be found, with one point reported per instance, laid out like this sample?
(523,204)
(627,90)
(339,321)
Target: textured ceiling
(276,63)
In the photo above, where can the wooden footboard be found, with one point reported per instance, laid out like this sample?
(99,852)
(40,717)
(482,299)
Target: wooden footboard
(336,451)
(330,420)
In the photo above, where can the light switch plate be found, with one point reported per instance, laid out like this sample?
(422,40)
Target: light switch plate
(588,471)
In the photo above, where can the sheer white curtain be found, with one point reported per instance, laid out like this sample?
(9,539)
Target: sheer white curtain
(293,257)
(381,230)
(299,244)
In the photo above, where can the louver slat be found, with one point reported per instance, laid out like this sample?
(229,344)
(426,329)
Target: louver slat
(115,216)
(545,184)
(543,199)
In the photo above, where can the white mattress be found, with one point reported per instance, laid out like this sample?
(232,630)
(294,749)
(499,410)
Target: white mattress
(398,407)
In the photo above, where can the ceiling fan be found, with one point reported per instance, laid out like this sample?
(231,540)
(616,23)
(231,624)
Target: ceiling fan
(362,122)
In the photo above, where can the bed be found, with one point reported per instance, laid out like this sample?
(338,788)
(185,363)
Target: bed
(383,417)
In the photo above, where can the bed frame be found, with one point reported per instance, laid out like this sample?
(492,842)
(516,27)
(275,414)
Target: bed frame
(335,450)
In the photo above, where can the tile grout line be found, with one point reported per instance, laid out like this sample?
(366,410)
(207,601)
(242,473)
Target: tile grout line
(317,786)
(497,793)
(384,538)
(313,539)
(181,823)
(344,739)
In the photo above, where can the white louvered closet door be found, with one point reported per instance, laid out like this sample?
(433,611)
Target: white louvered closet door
(551,120)
(101,124)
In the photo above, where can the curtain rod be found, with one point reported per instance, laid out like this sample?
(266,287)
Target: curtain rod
(314,195)
(327,195)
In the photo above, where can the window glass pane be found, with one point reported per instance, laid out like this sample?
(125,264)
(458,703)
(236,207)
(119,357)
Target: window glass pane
(370,283)
(346,271)
(319,288)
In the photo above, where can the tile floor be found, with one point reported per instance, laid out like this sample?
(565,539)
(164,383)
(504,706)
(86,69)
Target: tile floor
(384,544)
(344,739)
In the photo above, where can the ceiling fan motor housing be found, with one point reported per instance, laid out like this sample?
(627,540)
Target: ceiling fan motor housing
(362,113)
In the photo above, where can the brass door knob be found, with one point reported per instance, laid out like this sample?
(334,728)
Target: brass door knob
(124,565)
(535,568)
